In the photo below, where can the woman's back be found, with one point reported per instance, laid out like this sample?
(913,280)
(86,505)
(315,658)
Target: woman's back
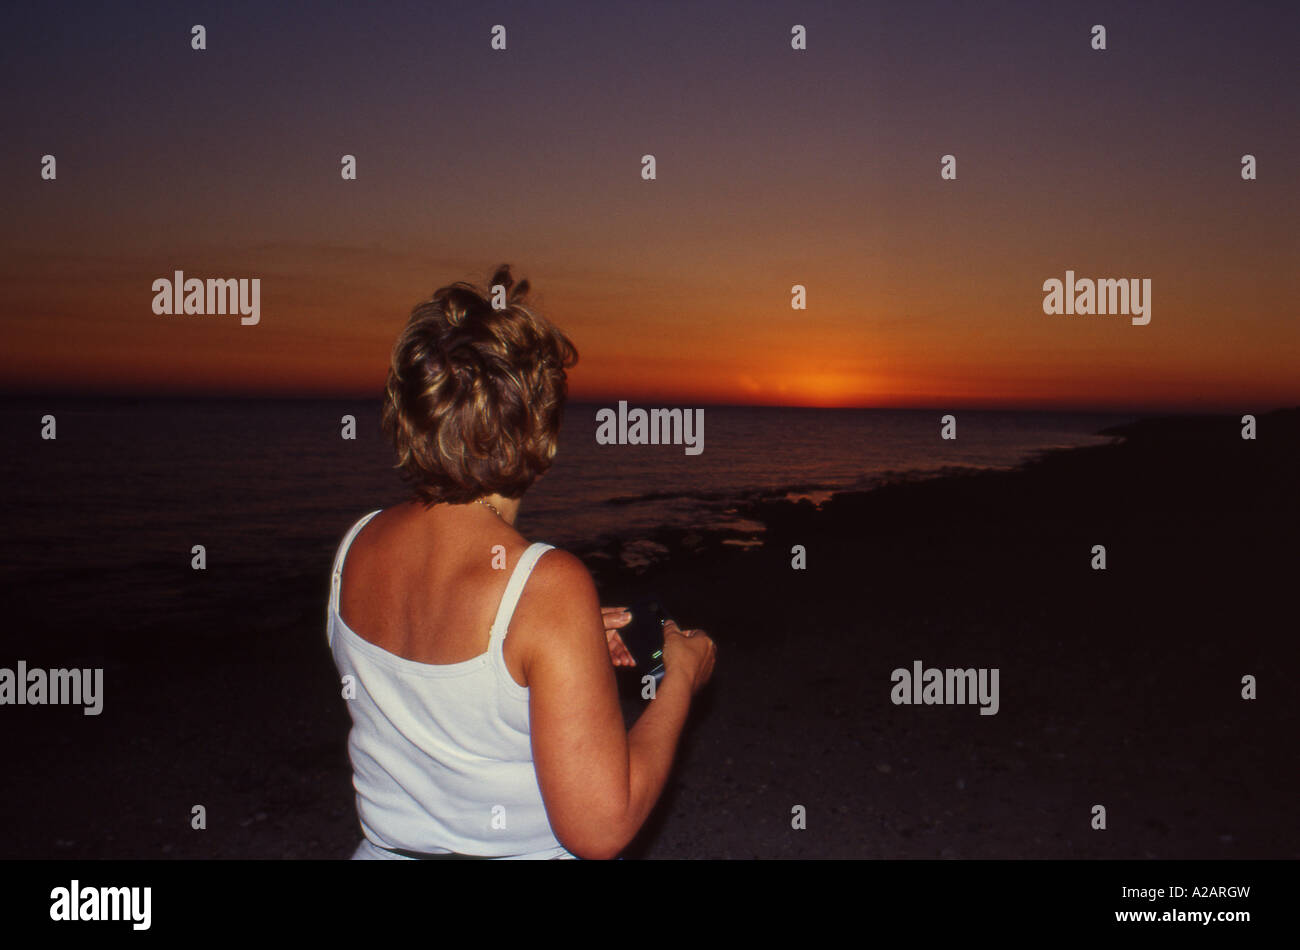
(462,723)
(425,583)
(440,745)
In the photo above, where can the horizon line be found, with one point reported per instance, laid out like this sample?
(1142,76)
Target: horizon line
(642,401)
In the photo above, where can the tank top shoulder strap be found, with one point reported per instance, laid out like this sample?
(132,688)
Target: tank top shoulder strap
(515,587)
(336,578)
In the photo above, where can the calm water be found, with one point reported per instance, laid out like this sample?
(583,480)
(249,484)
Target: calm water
(111,508)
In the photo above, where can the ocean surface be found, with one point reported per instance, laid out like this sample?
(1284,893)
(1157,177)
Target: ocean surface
(109,511)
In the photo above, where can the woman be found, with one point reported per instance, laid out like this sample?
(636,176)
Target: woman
(478,668)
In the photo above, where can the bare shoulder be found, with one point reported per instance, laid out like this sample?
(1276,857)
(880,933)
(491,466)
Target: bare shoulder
(559,606)
(375,529)
(560,590)
(561,573)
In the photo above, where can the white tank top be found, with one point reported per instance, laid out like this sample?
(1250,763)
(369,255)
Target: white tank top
(441,755)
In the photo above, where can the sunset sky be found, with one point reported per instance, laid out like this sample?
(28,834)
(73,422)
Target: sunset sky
(775,167)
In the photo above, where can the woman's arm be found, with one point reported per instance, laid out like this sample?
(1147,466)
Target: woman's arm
(599,781)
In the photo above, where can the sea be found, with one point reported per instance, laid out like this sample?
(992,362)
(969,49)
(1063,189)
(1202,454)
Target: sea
(109,512)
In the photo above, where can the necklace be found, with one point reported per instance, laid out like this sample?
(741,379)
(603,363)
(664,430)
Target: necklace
(491,507)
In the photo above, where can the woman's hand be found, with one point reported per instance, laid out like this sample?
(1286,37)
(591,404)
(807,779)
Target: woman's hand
(690,651)
(614,618)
